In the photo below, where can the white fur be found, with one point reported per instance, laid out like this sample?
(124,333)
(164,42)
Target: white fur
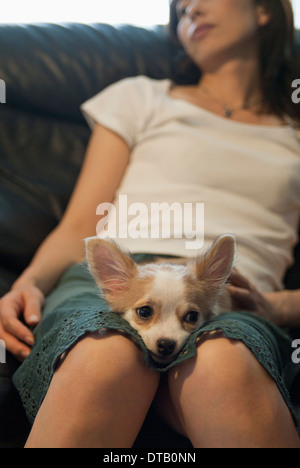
(168,288)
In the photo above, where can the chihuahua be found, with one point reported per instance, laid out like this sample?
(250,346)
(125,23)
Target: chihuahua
(165,300)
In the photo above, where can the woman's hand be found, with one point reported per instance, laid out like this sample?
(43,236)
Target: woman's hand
(246,297)
(24,302)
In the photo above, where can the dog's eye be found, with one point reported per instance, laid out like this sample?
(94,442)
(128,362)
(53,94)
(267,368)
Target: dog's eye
(144,312)
(191,317)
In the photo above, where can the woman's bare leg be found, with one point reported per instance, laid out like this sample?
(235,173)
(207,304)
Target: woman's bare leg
(225,398)
(98,397)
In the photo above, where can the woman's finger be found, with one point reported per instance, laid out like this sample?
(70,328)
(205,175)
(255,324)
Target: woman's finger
(33,308)
(11,325)
(242,297)
(16,347)
(239,280)
(17,329)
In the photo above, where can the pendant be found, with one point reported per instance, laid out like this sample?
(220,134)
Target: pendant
(228,112)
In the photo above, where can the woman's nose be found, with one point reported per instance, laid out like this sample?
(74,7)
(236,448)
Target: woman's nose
(194,9)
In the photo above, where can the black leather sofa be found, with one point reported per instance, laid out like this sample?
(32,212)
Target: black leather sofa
(49,70)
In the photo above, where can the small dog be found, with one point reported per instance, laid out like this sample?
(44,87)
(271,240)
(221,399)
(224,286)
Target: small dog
(165,301)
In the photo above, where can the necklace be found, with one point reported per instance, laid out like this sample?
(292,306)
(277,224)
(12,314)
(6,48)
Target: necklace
(228,110)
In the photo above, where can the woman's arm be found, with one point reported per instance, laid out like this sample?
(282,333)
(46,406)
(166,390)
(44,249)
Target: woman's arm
(287,305)
(104,166)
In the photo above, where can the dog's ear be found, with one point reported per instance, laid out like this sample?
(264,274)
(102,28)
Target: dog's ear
(111,268)
(217,264)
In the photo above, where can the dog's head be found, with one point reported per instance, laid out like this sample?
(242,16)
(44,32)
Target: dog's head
(164,302)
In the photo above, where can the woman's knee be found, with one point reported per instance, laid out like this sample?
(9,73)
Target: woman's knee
(224,374)
(106,359)
(221,367)
(220,362)
(226,393)
(100,393)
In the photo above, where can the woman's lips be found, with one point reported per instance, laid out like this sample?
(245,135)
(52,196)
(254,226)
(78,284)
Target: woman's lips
(201,31)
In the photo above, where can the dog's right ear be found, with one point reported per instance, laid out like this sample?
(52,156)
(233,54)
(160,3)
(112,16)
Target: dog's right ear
(112,269)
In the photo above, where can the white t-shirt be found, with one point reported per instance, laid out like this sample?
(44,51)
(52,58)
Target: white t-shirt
(247,176)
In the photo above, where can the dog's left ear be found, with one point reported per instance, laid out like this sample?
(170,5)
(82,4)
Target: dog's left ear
(111,268)
(217,264)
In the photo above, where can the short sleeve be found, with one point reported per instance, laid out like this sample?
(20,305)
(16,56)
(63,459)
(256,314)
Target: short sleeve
(121,107)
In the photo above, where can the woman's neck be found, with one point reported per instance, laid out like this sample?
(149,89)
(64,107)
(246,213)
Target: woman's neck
(232,90)
(234,83)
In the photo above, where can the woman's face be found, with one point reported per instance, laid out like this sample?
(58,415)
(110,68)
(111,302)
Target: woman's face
(214,31)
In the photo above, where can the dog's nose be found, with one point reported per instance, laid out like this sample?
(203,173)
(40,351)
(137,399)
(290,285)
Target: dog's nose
(165,347)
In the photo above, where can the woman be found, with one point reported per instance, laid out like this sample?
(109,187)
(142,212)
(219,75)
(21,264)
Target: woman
(85,389)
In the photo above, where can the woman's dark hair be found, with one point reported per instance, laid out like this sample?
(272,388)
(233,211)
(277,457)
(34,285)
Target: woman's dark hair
(279,57)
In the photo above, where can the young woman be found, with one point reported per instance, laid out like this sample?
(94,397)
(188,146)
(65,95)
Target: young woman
(230,141)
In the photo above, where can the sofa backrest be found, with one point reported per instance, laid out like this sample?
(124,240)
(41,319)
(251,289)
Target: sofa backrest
(49,70)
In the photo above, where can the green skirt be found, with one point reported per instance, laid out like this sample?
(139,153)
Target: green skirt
(75,308)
